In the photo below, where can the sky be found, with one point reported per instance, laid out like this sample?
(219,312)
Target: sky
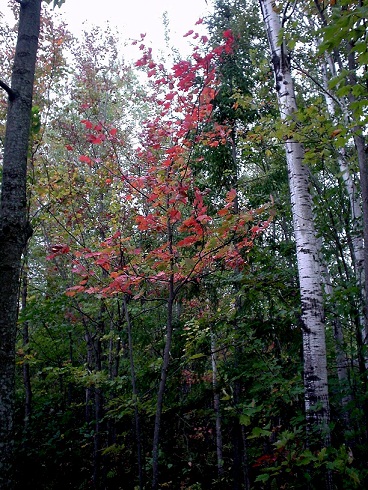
(133,17)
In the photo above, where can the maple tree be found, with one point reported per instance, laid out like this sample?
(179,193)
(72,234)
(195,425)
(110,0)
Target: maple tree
(158,191)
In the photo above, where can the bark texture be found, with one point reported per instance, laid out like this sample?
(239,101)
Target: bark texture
(14,227)
(314,344)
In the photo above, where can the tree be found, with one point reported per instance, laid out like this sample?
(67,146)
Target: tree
(312,317)
(15,229)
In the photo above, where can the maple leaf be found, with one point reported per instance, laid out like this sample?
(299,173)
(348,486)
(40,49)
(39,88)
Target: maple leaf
(187,241)
(95,140)
(85,159)
(87,123)
(175,214)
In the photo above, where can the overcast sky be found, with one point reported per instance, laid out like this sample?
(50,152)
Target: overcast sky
(133,17)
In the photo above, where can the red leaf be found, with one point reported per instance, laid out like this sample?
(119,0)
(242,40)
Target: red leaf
(187,241)
(223,212)
(87,124)
(175,214)
(228,34)
(188,33)
(85,159)
(230,196)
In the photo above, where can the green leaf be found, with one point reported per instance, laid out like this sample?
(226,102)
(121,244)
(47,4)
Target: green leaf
(263,478)
(244,419)
(196,356)
(259,432)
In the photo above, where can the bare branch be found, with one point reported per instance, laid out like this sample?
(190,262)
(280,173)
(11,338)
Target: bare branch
(11,93)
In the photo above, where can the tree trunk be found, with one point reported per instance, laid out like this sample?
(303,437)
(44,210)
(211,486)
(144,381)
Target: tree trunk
(14,227)
(216,407)
(361,252)
(135,395)
(165,367)
(25,338)
(314,344)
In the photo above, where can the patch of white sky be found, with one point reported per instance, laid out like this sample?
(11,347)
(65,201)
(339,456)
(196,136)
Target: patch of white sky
(133,18)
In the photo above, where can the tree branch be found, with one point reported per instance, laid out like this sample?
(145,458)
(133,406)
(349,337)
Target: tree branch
(316,82)
(11,93)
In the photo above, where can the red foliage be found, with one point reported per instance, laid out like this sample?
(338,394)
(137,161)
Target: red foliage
(178,238)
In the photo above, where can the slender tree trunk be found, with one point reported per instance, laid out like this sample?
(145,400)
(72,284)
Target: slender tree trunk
(351,191)
(89,366)
(98,468)
(164,369)
(314,344)
(361,254)
(14,227)
(216,407)
(135,394)
(359,257)
(360,142)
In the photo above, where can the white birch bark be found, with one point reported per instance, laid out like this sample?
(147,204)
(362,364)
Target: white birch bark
(355,209)
(314,344)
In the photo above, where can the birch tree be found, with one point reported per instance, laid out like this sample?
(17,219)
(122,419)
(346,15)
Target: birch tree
(312,314)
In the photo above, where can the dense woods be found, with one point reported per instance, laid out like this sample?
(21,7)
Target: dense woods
(183,269)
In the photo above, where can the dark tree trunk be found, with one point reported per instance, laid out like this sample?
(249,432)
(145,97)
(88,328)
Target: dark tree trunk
(135,395)
(162,387)
(14,227)
(164,368)
(26,370)
(217,409)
